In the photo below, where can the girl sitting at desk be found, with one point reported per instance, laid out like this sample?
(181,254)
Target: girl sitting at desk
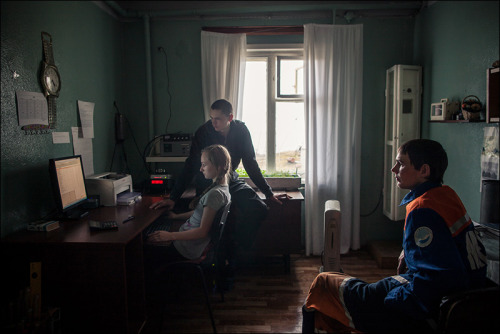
(194,235)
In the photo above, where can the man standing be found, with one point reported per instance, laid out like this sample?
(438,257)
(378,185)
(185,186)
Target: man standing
(224,130)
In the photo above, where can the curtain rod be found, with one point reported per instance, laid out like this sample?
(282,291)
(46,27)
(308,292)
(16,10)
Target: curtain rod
(258,30)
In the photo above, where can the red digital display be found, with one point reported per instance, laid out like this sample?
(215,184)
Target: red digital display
(156,181)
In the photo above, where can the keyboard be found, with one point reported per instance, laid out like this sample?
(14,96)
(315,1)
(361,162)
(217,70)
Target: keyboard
(161,224)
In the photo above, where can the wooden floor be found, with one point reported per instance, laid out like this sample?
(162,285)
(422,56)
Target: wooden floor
(264,299)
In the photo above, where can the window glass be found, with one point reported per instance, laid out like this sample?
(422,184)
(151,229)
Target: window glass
(255,107)
(290,137)
(276,120)
(290,77)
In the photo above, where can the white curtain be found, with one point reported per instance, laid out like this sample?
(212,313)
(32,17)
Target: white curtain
(333,100)
(223,59)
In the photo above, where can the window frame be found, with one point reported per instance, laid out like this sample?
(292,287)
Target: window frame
(271,53)
(278,76)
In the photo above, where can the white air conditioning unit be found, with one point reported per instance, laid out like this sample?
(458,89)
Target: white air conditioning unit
(403,95)
(331,250)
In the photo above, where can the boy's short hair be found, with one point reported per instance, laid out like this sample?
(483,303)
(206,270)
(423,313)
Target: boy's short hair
(426,151)
(224,106)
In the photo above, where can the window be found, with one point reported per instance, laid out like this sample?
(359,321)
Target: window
(273,107)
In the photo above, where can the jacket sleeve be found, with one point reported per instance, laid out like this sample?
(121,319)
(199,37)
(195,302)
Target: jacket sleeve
(191,166)
(250,162)
(435,267)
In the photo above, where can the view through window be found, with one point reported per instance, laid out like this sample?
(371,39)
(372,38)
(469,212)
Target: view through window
(273,109)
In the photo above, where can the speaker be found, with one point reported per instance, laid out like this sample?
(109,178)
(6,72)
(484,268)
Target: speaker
(489,202)
(119,127)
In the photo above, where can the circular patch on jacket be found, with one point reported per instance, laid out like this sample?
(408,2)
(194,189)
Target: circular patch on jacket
(423,236)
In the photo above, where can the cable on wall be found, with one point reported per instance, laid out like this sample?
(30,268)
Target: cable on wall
(120,139)
(168,87)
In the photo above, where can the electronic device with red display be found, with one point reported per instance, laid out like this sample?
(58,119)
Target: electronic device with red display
(160,183)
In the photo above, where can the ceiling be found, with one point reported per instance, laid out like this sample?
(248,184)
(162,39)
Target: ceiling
(207,8)
(196,5)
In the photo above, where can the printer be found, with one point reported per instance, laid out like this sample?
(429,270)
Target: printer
(108,186)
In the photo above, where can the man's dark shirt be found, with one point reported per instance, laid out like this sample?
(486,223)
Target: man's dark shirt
(240,147)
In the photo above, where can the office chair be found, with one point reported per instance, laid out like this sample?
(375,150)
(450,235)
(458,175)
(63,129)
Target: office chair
(468,311)
(211,260)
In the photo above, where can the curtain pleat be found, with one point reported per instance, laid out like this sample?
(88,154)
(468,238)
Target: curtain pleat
(223,58)
(333,105)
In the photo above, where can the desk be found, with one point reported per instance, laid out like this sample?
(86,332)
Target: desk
(281,231)
(95,277)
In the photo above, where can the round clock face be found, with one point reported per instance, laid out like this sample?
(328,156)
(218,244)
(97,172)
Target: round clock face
(51,80)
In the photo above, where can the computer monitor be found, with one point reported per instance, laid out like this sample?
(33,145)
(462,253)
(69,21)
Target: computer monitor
(68,184)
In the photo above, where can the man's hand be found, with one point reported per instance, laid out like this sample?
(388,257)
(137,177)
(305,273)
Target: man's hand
(278,198)
(401,263)
(167,203)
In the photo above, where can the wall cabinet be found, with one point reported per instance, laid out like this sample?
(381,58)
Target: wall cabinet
(492,95)
(402,122)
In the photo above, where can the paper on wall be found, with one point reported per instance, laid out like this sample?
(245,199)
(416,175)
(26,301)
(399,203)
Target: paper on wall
(60,137)
(489,155)
(32,108)
(83,146)
(86,110)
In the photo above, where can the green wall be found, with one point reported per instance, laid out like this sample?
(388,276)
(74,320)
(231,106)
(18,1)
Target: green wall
(88,55)
(455,42)
(386,42)
(102,60)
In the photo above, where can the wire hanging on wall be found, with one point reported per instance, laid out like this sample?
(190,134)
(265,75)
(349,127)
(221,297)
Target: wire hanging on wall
(120,119)
(168,88)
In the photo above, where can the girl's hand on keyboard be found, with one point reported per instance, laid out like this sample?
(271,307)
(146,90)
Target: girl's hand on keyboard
(160,237)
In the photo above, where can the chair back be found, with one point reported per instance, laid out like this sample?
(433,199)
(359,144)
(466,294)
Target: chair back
(218,227)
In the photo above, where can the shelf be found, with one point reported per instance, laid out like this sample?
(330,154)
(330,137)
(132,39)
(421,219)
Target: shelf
(458,121)
(165,159)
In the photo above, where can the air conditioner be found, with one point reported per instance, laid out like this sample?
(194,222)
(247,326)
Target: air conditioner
(403,94)
(331,250)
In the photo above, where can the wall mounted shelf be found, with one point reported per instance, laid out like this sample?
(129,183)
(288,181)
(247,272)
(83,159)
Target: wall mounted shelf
(165,159)
(458,121)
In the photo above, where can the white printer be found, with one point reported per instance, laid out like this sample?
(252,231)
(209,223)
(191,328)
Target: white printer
(108,186)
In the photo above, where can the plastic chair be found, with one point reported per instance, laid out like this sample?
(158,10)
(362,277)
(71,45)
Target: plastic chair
(211,259)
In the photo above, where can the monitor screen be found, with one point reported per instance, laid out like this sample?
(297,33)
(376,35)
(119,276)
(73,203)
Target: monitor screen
(68,182)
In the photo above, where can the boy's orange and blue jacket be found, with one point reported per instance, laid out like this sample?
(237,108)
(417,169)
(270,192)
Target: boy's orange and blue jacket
(443,252)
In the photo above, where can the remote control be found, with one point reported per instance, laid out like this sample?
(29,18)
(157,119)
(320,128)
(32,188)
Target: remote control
(104,225)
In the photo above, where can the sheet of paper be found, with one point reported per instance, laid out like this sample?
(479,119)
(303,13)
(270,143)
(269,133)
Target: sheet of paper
(86,110)
(32,108)
(490,166)
(60,137)
(83,146)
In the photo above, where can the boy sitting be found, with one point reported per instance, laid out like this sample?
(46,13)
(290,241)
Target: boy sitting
(441,254)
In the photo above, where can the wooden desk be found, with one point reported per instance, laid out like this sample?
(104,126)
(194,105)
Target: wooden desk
(95,277)
(281,231)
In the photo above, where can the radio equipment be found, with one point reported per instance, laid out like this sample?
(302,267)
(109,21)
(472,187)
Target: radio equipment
(175,145)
